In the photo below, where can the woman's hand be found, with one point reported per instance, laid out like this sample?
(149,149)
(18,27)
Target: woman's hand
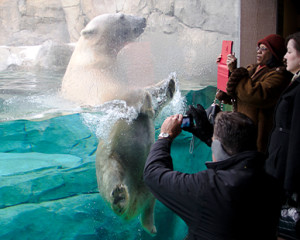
(231,62)
(219,58)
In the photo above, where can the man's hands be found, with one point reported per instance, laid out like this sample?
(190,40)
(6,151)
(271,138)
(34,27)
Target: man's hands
(172,126)
(203,129)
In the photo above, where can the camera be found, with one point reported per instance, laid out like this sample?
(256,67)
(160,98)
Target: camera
(187,122)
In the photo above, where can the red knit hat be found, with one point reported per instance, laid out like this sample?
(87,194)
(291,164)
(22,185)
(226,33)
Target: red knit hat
(275,44)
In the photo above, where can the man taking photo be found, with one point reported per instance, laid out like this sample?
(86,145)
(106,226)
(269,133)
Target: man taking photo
(233,198)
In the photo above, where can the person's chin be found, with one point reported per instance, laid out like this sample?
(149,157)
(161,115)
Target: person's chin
(258,60)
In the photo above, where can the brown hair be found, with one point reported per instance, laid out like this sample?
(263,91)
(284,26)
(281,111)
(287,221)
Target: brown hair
(296,38)
(236,132)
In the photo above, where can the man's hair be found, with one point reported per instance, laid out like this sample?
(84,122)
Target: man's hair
(236,132)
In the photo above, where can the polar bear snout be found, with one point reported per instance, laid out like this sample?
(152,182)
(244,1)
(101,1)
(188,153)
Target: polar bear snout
(139,27)
(143,24)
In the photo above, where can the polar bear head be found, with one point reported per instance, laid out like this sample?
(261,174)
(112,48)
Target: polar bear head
(110,32)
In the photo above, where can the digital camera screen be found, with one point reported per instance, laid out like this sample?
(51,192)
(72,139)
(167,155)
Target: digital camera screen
(186,122)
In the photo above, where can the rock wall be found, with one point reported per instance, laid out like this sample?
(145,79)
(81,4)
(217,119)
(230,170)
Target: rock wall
(31,22)
(182,35)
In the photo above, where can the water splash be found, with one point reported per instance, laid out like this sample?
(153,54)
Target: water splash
(102,118)
(176,106)
(35,96)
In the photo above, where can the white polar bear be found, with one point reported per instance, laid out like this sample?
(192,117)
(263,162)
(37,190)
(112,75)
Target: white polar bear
(121,159)
(91,79)
(91,76)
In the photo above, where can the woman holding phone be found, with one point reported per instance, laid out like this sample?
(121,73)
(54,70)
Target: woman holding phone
(255,90)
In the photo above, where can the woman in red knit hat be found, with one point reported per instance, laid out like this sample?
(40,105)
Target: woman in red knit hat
(254,90)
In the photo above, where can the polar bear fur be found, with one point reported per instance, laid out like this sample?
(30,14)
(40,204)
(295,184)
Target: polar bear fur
(91,77)
(121,159)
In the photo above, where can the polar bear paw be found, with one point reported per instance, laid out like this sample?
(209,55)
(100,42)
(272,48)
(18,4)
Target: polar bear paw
(119,198)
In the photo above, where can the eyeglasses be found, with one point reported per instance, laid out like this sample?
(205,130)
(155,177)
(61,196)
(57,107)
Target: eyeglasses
(263,49)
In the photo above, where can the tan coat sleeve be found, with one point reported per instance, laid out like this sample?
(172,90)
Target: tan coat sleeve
(264,91)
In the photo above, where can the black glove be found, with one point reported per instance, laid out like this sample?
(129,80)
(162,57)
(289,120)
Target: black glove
(211,112)
(203,129)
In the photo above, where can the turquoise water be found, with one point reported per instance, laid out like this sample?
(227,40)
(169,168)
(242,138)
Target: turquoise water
(48,187)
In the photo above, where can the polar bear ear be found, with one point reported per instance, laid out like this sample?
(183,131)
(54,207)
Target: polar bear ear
(147,105)
(122,16)
(88,32)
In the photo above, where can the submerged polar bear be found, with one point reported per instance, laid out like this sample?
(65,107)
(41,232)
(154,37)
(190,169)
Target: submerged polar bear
(121,159)
(91,76)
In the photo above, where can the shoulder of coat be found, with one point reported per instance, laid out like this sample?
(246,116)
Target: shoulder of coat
(251,66)
(280,69)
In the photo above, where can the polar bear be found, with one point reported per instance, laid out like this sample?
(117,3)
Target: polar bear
(91,77)
(121,159)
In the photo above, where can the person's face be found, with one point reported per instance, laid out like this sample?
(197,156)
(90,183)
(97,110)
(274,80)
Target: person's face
(292,57)
(263,54)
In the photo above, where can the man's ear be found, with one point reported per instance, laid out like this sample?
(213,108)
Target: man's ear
(213,157)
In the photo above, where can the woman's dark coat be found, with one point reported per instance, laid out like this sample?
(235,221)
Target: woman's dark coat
(284,148)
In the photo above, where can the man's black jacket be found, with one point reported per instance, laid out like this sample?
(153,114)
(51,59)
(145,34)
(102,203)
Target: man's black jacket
(232,199)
